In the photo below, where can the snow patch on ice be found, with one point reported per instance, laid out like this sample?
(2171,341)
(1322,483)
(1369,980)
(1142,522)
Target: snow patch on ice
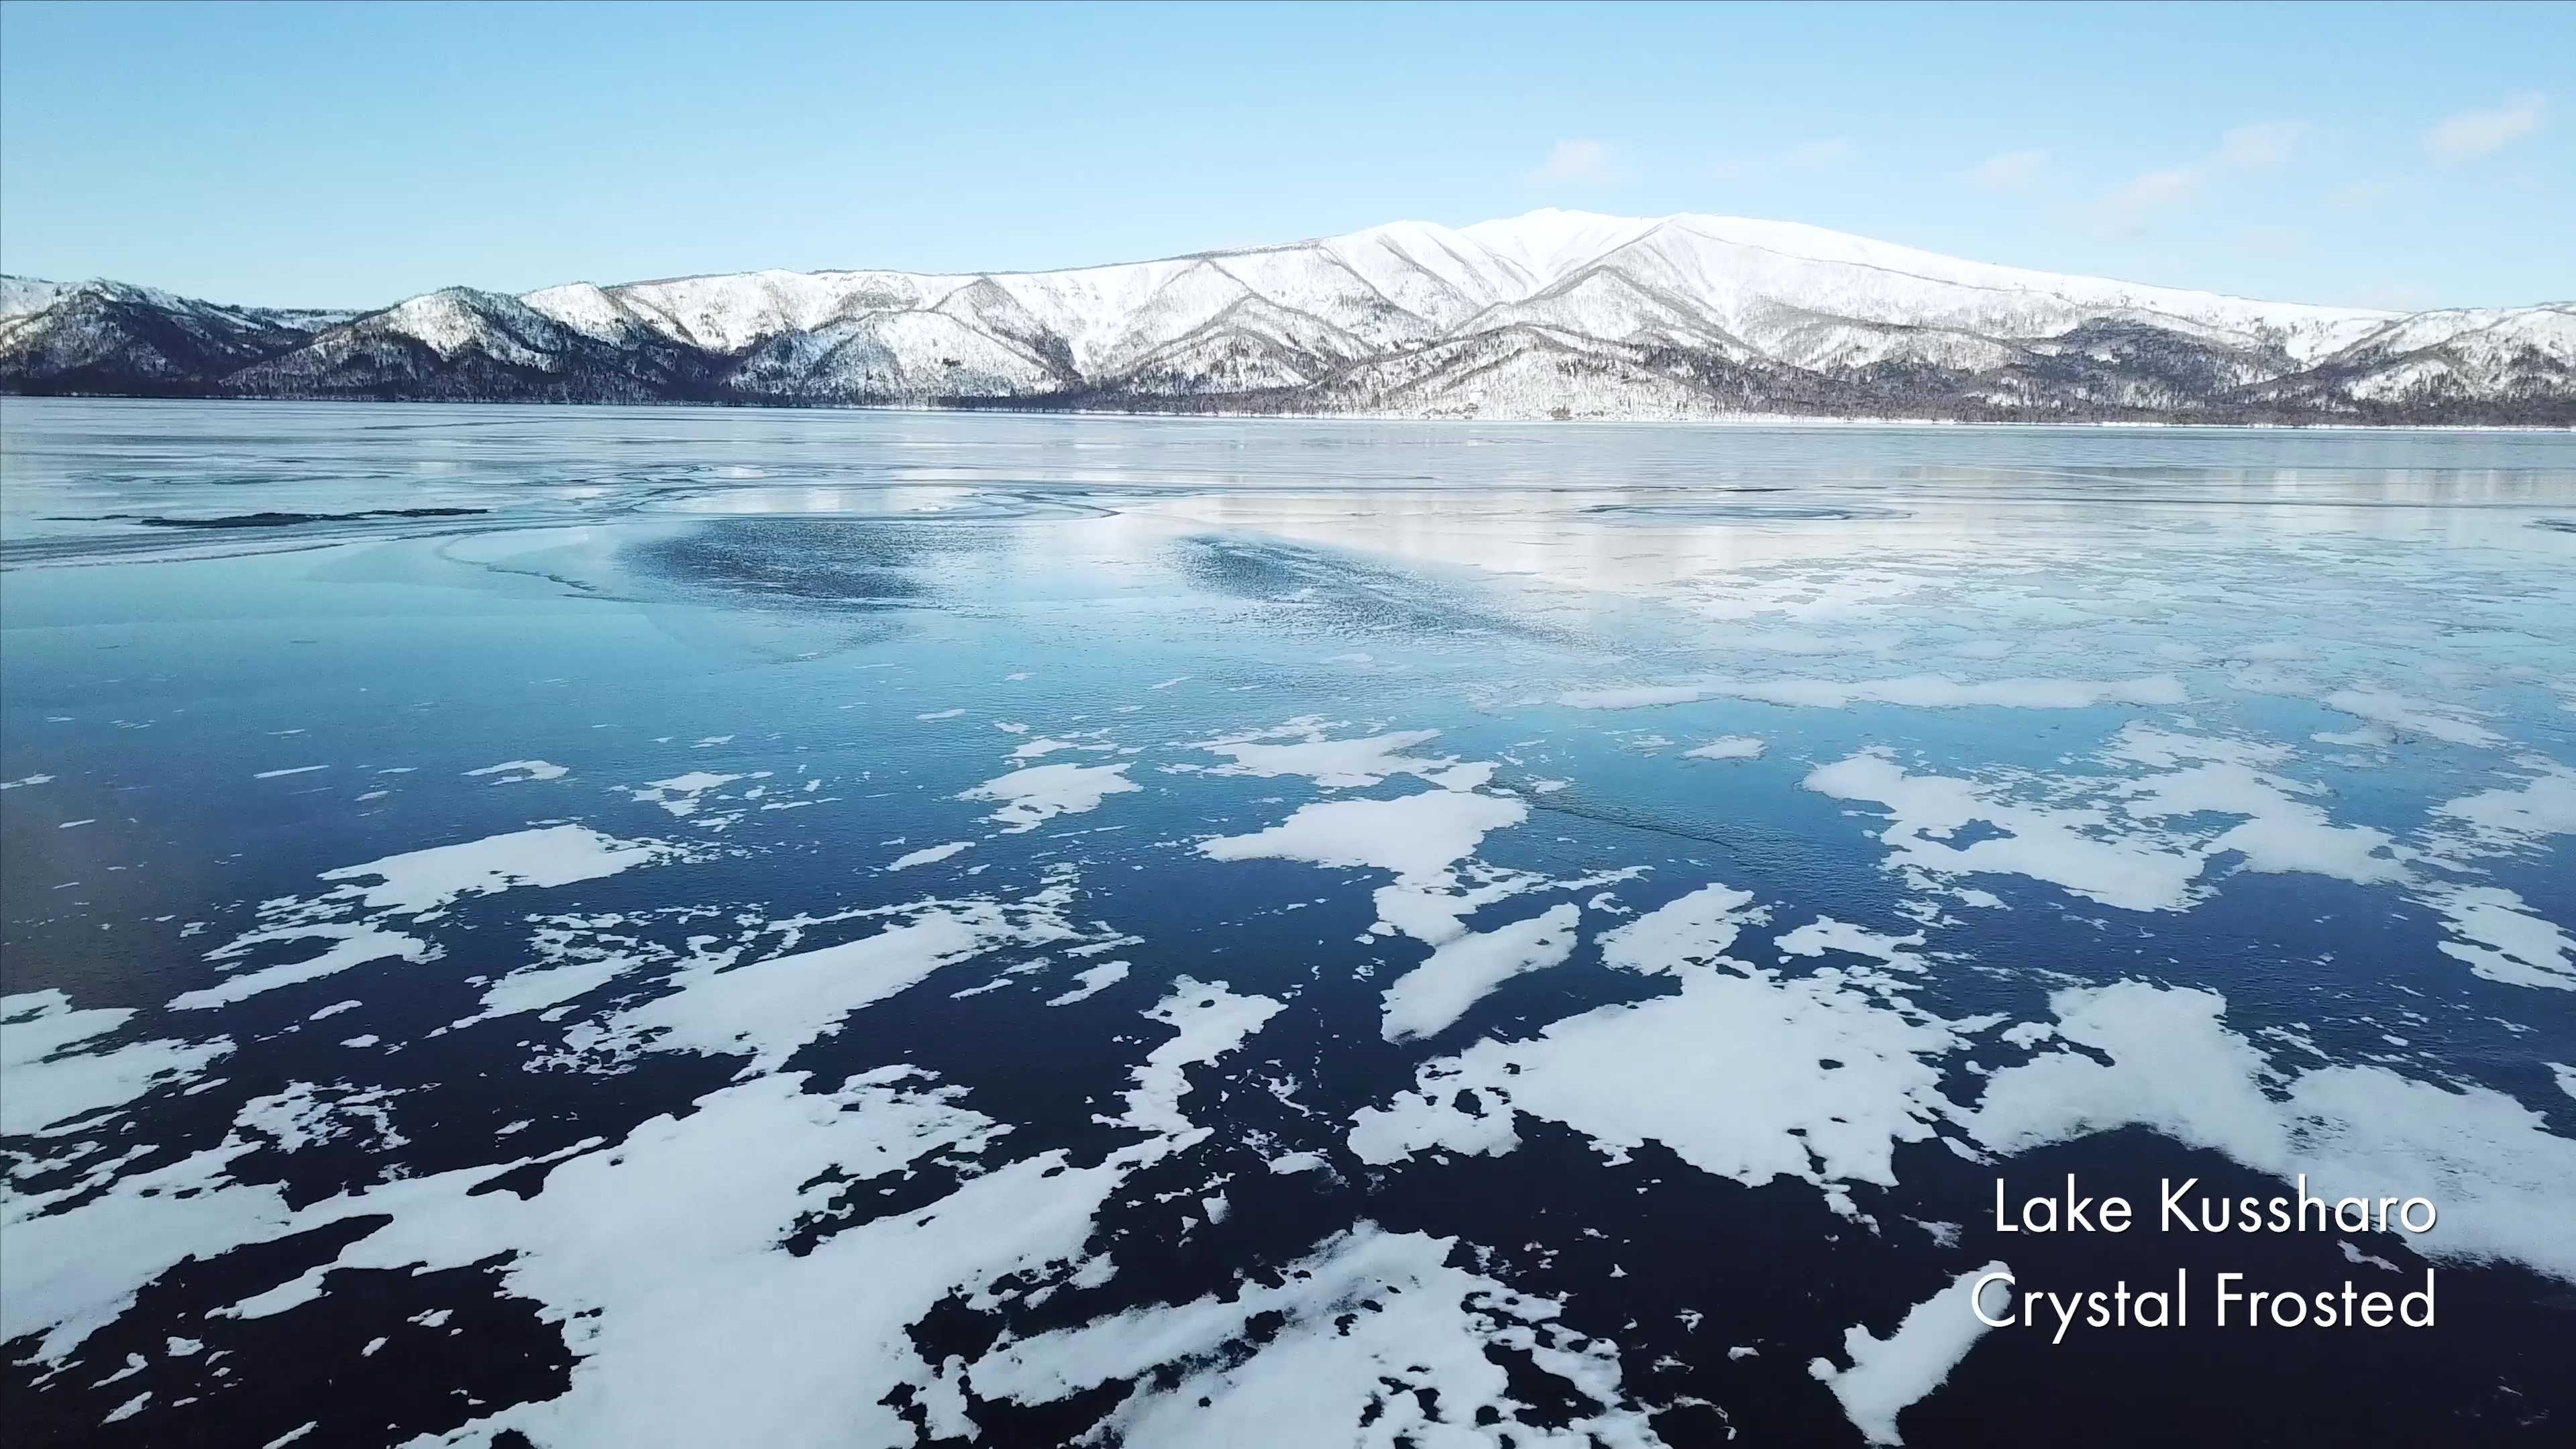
(1420,838)
(769,1010)
(1746,1076)
(2497,821)
(2501,1179)
(43,1083)
(1417,837)
(1465,969)
(1032,796)
(1694,930)
(1093,982)
(2501,939)
(420,881)
(2411,716)
(306,1115)
(350,945)
(929,855)
(681,794)
(1727,747)
(1330,763)
(1211,1021)
(1889,1374)
(513,772)
(1374,1340)
(2114,843)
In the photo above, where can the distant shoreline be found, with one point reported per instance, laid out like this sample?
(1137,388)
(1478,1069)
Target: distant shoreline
(1732,420)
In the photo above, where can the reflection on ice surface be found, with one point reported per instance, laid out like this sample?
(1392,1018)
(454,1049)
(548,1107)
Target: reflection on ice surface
(1195,931)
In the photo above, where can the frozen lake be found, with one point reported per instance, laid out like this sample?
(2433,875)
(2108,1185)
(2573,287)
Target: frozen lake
(611,927)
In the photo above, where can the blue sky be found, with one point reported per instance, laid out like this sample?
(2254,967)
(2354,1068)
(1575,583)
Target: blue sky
(329,155)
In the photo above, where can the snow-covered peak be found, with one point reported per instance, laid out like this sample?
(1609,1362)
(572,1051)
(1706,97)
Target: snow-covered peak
(1409,281)
(20,296)
(1549,244)
(1552,313)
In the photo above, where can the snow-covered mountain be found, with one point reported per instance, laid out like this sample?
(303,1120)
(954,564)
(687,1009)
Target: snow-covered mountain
(1553,314)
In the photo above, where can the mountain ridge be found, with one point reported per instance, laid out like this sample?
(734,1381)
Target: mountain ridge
(1551,314)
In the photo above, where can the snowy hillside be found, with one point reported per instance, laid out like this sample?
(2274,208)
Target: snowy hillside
(1555,313)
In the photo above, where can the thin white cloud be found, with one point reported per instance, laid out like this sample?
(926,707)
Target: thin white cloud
(1817,155)
(2399,296)
(2158,189)
(2261,146)
(2009,170)
(2368,192)
(1577,163)
(2472,134)
(2272,241)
